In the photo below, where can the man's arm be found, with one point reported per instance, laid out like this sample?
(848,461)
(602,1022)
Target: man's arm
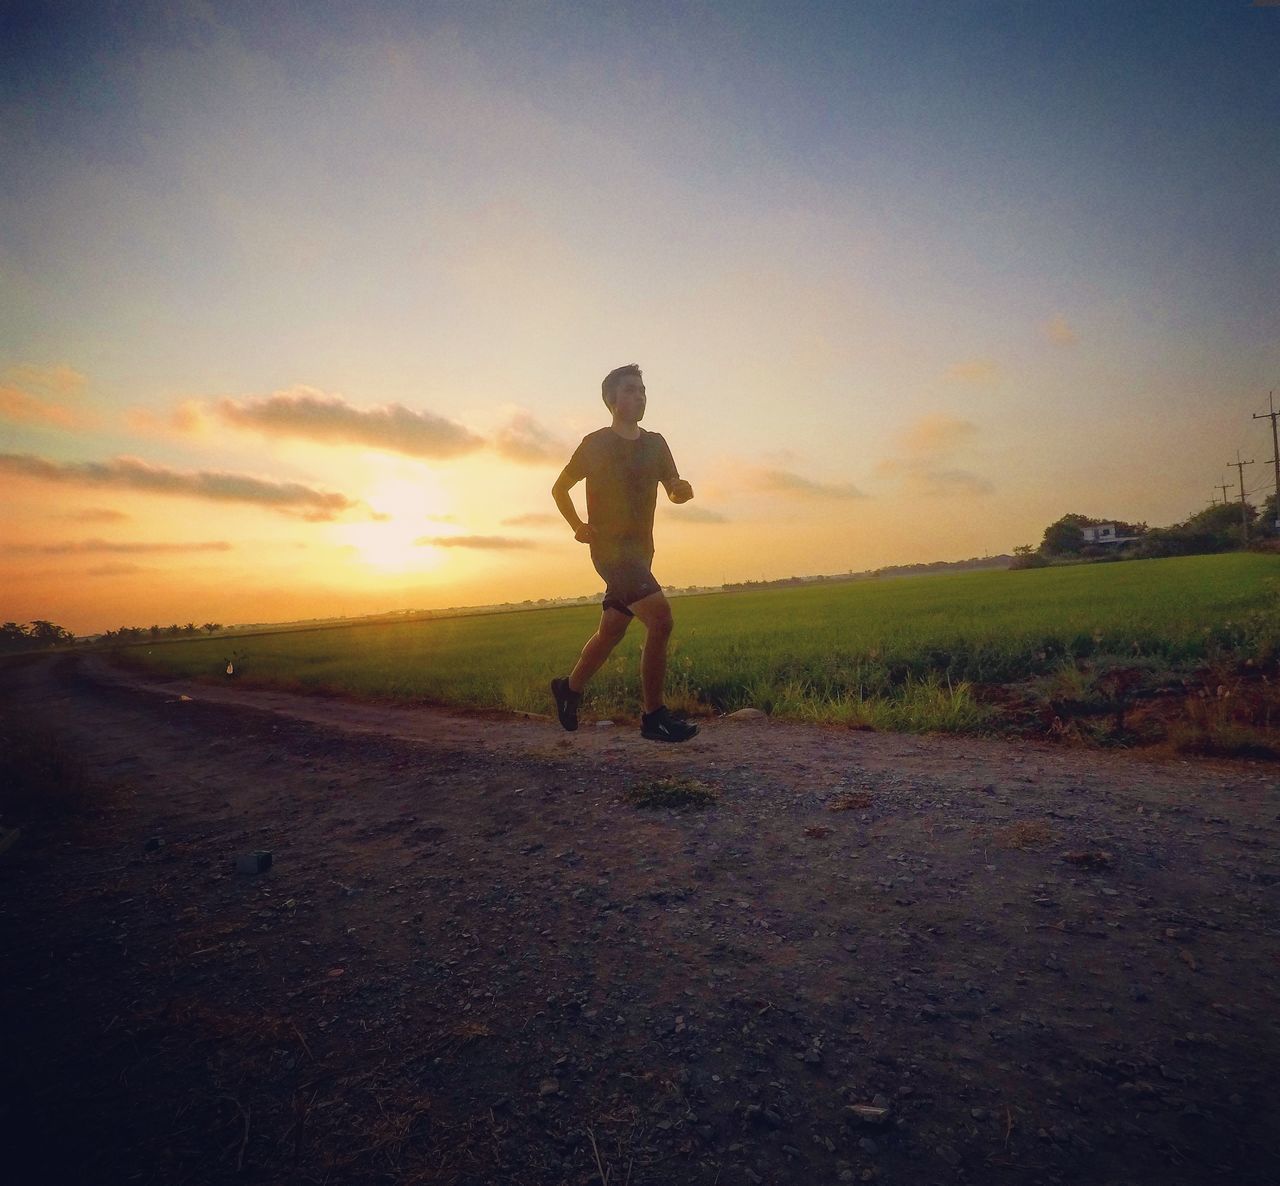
(678,490)
(564,503)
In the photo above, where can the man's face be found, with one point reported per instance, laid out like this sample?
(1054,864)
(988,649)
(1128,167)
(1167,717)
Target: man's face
(629,399)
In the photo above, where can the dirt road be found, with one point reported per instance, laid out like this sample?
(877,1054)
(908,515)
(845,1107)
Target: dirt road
(876,958)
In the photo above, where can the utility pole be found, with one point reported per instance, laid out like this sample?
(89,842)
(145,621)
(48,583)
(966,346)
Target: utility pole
(1275,445)
(1224,487)
(1244,506)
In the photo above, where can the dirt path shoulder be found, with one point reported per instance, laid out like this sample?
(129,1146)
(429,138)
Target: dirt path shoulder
(875,958)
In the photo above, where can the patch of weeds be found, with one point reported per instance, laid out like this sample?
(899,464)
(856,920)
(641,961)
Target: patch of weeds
(680,793)
(1223,740)
(850,801)
(1027,833)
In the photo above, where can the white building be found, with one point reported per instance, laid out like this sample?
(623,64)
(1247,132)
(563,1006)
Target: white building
(1104,533)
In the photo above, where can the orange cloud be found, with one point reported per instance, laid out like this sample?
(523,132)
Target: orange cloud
(289,498)
(523,439)
(937,433)
(121,547)
(688,513)
(923,477)
(1058,330)
(23,408)
(533,519)
(926,468)
(491,542)
(780,481)
(973,372)
(95,515)
(60,381)
(313,415)
(187,419)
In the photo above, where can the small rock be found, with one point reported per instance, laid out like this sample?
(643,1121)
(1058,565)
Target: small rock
(867,1145)
(548,1087)
(747,714)
(866,1113)
(604,724)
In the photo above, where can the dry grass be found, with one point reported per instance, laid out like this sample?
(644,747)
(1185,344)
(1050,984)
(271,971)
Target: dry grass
(1029,833)
(680,793)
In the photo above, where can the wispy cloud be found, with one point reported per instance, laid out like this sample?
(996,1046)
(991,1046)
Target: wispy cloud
(312,415)
(1058,330)
(114,570)
(32,395)
(937,433)
(926,465)
(60,381)
(96,515)
(533,519)
(688,513)
(21,407)
(119,547)
(781,481)
(482,542)
(290,498)
(522,438)
(924,477)
(973,372)
(187,419)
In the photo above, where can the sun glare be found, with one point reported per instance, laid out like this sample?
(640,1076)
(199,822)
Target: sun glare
(410,510)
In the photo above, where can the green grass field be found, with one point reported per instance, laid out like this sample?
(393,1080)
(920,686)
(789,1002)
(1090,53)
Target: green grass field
(899,654)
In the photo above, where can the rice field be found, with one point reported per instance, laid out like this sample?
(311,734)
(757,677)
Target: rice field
(905,653)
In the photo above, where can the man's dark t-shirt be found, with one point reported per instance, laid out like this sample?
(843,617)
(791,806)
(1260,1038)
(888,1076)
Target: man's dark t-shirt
(622,487)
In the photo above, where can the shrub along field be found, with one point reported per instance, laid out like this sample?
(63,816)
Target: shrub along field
(1070,649)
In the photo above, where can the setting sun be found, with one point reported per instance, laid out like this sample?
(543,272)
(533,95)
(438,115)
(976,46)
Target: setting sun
(408,510)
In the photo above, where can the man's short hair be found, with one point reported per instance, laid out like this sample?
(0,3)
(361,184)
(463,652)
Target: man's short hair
(608,389)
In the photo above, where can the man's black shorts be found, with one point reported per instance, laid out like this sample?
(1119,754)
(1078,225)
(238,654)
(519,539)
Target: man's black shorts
(627,577)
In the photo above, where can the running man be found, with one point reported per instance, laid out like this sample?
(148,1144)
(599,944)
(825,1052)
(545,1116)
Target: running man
(622,465)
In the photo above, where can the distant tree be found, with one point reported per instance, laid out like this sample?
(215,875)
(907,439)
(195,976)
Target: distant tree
(14,637)
(1066,536)
(211,627)
(48,634)
(1214,529)
(190,628)
(156,631)
(1267,517)
(1027,556)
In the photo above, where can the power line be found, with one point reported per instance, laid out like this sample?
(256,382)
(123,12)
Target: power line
(1275,444)
(1244,507)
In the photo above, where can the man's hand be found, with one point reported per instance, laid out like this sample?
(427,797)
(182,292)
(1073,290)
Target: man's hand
(586,534)
(680,491)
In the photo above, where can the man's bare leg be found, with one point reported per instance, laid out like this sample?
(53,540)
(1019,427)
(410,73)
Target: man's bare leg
(655,612)
(613,625)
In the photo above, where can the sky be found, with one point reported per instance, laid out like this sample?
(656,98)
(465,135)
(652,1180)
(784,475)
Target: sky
(305,306)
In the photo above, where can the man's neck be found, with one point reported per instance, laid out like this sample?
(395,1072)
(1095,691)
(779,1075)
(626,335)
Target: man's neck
(628,429)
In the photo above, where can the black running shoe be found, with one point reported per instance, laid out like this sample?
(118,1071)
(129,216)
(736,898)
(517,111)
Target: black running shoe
(660,725)
(567,701)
